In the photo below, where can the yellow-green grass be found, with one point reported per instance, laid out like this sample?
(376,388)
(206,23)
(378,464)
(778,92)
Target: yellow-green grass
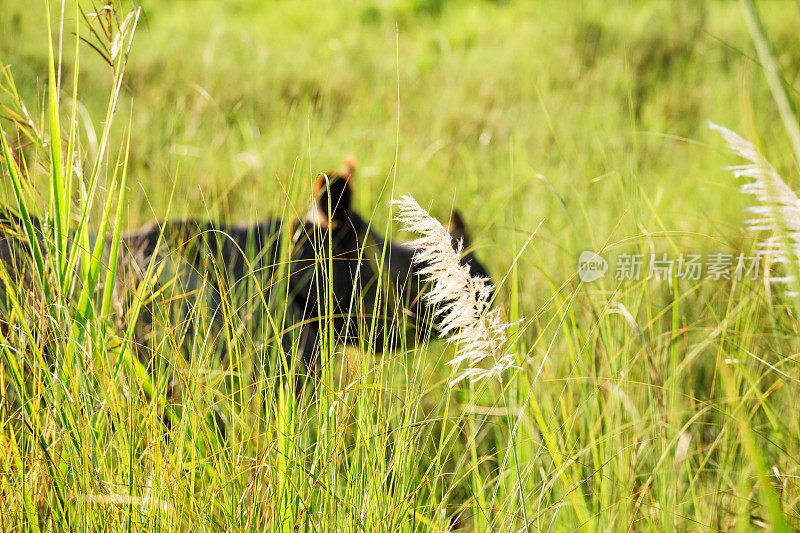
(590,120)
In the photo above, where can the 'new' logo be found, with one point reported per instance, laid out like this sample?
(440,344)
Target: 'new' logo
(591,266)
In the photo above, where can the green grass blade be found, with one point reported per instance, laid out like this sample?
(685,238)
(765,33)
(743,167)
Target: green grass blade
(776,85)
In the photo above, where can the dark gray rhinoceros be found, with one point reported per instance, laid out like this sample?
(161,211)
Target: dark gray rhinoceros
(336,279)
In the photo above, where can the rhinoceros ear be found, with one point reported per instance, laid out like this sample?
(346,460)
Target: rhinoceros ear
(333,192)
(349,169)
(457,229)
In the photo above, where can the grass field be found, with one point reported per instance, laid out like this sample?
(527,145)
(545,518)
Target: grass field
(647,404)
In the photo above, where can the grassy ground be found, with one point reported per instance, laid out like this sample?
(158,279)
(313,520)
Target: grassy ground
(589,119)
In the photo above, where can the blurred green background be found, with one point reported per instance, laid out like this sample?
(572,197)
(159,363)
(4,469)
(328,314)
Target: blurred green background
(590,116)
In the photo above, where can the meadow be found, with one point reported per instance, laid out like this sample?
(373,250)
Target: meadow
(638,404)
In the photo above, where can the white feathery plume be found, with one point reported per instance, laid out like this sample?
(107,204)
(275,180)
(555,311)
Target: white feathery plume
(779,211)
(464,312)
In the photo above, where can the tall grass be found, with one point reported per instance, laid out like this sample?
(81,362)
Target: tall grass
(638,405)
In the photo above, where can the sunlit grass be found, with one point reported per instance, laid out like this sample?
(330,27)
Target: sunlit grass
(641,405)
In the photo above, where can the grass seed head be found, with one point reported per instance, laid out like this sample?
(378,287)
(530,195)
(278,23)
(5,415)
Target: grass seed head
(779,209)
(465,315)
